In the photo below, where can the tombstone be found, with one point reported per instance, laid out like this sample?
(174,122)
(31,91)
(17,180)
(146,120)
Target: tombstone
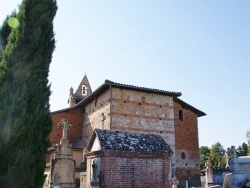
(227,180)
(63,168)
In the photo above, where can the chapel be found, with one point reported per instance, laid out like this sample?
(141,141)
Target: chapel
(120,125)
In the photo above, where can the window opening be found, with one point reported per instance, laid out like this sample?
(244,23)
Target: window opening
(183,155)
(84,90)
(181,115)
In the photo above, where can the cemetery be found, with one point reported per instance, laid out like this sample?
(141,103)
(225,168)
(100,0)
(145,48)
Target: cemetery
(235,175)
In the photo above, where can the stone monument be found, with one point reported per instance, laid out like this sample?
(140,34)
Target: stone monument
(175,182)
(63,166)
(209,174)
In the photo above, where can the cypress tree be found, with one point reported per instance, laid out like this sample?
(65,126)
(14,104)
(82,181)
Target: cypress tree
(25,120)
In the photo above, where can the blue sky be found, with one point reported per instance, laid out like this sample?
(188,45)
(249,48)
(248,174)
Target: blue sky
(199,48)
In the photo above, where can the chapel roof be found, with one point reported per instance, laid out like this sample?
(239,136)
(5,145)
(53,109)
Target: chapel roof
(78,143)
(131,141)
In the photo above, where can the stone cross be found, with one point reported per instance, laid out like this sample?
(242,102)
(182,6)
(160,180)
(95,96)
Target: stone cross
(64,125)
(209,173)
(233,152)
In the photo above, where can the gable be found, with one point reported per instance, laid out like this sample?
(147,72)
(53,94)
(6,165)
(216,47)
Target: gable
(96,145)
(84,88)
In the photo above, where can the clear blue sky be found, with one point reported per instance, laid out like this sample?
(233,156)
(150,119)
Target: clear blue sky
(200,48)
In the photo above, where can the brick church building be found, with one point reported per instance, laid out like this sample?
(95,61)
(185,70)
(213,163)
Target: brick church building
(130,109)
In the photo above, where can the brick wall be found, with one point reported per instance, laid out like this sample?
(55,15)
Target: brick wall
(186,143)
(121,169)
(75,118)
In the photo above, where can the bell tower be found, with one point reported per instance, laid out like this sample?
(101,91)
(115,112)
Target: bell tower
(82,91)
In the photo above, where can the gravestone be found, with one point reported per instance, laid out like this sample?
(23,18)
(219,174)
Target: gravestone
(63,168)
(227,180)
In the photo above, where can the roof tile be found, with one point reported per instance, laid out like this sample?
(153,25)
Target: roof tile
(131,141)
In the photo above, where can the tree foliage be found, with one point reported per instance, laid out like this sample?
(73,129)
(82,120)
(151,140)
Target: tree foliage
(217,155)
(25,120)
(204,156)
(242,150)
(5,31)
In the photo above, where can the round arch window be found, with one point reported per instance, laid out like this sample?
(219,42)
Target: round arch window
(183,155)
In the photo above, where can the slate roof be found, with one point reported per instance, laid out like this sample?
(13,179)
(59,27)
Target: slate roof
(78,143)
(78,96)
(130,141)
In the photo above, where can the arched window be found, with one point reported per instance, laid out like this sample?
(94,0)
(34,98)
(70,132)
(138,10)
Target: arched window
(84,90)
(183,155)
(181,115)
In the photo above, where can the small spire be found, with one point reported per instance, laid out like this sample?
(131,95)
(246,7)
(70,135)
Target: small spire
(71,90)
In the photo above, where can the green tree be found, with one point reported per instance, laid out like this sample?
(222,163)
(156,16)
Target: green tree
(25,120)
(5,31)
(204,156)
(242,150)
(217,156)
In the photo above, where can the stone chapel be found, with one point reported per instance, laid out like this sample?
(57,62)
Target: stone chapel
(120,125)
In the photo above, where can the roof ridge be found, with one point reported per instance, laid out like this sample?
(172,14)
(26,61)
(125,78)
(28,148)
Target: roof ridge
(142,88)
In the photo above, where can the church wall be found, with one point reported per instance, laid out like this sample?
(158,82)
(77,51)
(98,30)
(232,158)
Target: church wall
(74,117)
(143,112)
(97,112)
(77,156)
(187,144)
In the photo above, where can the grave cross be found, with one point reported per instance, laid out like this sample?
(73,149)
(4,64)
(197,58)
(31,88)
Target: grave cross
(64,125)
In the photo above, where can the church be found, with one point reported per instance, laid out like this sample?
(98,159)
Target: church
(126,136)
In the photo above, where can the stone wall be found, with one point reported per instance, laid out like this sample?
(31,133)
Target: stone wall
(143,112)
(186,143)
(77,156)
(97,112)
